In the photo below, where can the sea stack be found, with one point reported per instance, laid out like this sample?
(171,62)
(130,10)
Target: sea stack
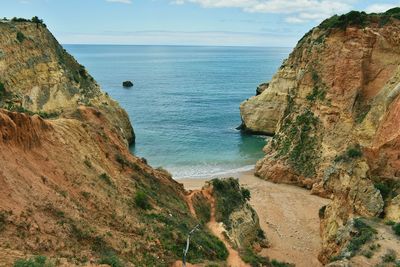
(127,84)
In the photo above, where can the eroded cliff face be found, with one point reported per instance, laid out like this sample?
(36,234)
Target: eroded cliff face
(69,187)
(337,112)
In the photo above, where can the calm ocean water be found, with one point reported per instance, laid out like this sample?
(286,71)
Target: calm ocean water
(184,105)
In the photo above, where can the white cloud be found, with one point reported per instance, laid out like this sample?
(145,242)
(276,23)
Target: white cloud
(120,1)
(219,38)
(297,11)
(378,8)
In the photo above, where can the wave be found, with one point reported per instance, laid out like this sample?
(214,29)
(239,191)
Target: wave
(204,171)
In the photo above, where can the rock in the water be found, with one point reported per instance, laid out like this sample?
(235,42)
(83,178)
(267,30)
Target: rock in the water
(127,84)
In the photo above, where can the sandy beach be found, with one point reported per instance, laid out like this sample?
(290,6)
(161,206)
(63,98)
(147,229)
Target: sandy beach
(288,215)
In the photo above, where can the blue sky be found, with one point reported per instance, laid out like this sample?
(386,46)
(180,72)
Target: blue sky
(184,22)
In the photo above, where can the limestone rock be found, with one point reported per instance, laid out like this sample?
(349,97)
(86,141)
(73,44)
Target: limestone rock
(261,114)
(392,211)
(40,76)
(244,228)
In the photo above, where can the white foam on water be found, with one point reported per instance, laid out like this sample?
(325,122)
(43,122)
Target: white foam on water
(202,172)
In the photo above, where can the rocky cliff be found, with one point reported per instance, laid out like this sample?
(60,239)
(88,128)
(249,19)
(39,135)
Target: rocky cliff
(334,109)
(70,190)
(38,76)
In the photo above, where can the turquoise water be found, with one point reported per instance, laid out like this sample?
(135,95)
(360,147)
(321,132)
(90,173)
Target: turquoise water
(184,105)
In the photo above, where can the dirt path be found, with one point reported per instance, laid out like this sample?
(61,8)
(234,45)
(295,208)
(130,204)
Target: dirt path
(289,217)
(217,229)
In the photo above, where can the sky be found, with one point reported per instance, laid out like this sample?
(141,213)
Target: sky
(270,23)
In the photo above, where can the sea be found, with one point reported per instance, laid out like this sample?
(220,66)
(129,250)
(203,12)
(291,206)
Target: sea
(184,105)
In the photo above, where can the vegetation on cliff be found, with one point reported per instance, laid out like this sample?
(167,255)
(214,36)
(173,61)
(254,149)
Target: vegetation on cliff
(299,144)
(230,196)
(360,19)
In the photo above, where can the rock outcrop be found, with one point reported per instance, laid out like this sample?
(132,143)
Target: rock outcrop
(334,109)
(38,75)
(261,113)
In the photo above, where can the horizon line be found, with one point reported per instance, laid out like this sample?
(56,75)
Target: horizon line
(187,45)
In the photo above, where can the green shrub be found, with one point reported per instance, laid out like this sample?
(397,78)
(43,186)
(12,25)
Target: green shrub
(316,94)
(202,208)
(253,259)
(2,89)
(390,256)
(359,19)
(82,72)
(87,163)
(391,223)
(303,154)
(121,160)
(351,153)
(106,178)
(111,260)
(38,21)
(276,263)
(80,232)
(229,196)
(396,229)
(353,18)
(38,261)
(246,194)
(85,194)
(383,188)
(42,114)
(354,152)
(161,169)
(142,200)
(14,19)
(20,37)
(364,234)
(3,220)
(388,188)
(321,212)
(367,253)
(261,234)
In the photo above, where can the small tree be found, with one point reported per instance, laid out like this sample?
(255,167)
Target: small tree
(2,89)
(142,200)
(38,21)
(20,37)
